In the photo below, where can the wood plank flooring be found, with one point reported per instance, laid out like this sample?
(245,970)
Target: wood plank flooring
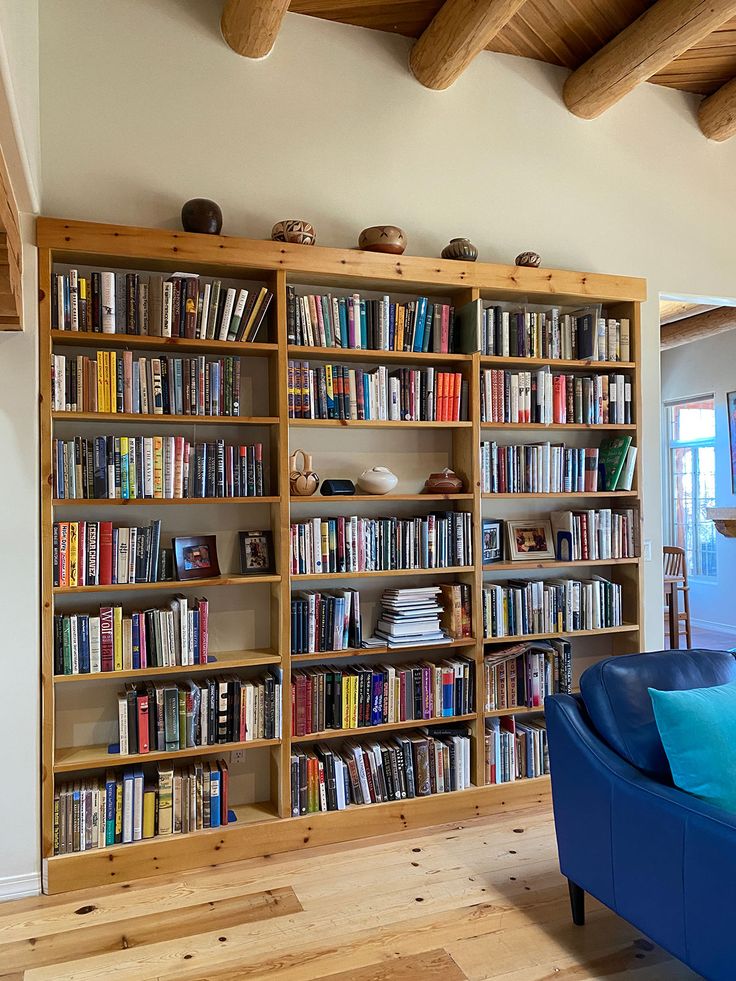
(475,901)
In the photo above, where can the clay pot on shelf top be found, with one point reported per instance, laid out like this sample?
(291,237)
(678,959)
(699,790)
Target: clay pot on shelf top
(383,238)
(294,230)
(201,215)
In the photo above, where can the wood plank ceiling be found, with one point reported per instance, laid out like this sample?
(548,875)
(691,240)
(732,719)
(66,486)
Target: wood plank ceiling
(560,32)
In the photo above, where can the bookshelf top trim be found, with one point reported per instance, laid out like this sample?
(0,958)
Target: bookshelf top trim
(318,265)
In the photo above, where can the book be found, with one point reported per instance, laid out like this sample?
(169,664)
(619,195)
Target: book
(96,553)
(612,456)
(520,607)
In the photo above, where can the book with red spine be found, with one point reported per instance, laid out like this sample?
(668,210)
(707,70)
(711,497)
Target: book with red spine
(105,549)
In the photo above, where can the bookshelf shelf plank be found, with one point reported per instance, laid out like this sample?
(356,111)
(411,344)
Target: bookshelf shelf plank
(384,727)
(267,827)
(377,498)
(572,426)
(155,502)
(563,495)
(495,361)
(371,651)
(626,628)
(518,710)
(224,660)
(172,585)
(169,345)
(377,424)
(450,570)
(164,420)
(337,354)
(70,759)
(555,564)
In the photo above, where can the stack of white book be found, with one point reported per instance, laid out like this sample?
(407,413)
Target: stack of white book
(409,618)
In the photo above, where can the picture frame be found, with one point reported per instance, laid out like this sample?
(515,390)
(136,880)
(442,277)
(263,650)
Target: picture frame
(529,539)
(492,532)
(256,553)
(196,557)
(731,404)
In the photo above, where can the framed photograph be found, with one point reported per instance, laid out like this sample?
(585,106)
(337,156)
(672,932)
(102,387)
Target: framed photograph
(731,402)
(492,540)
(196,558)
(256,553)
(530,539)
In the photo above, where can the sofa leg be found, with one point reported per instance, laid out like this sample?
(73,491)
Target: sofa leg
(577,903)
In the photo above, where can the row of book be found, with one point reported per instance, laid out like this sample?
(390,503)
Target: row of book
(543,397)
(408,764)
(202,712)
(98,553)
(361,696)
(164,637)
(554,468)
(133,805)
(596,534)
(155,467)
(520,607)
(182,305)
(580,335)
(515,749)
(325,621)
(118,382)
(354,544)
(523,675)
(324,320)
(340,391)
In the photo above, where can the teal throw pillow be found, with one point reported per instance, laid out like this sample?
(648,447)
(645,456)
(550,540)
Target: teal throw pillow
(698,731)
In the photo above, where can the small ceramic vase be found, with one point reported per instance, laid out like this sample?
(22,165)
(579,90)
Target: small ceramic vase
(294,230)
(443,482)
(382,238)
(303,482)
(528,259)
(379,480)
(201,215)
(460,248)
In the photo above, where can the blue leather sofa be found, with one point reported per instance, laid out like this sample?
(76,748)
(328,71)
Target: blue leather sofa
(660,858)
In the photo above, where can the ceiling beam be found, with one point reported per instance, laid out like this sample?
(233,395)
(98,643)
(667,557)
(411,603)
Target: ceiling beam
(717,113)
(696,328)
(250,27)
(460,30)
(661,34)
(671,310)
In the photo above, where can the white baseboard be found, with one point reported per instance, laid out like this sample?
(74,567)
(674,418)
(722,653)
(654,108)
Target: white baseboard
(20,886)
(728,628)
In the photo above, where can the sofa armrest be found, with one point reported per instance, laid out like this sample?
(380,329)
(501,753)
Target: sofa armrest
(662,859)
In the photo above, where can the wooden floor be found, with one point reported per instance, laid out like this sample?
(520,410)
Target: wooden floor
(712,640)
(482,900)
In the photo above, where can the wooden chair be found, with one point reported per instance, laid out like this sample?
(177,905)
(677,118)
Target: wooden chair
(675,579)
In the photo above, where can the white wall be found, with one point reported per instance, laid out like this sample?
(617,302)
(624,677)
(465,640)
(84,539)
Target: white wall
(19,507)
(144,106)
(700,368)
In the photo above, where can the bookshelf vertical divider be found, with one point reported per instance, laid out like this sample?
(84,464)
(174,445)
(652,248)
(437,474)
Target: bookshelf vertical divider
(269,827)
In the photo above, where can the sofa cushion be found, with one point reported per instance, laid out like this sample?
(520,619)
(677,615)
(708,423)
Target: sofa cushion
(698,731)
(616,696)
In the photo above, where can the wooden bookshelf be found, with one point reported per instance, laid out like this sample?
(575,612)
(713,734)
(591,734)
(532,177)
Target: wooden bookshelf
(265,826)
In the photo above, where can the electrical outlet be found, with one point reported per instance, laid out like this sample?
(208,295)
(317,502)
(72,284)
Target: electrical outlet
(237,756)
(648,550)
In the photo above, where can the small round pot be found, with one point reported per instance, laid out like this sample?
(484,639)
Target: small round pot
(201,215)
(461,249)
(379,480)
(443,482)
(531,259)
(294,230)
(383,238)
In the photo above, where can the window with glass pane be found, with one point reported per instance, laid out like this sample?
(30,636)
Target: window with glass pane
(692,431)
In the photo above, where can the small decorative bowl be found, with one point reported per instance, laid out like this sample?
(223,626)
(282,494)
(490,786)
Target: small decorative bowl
(294,230)
(201,215)
(528,259)
(383,238)
(460,248)
(443,482)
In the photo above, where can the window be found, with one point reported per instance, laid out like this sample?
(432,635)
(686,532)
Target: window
(692,462)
